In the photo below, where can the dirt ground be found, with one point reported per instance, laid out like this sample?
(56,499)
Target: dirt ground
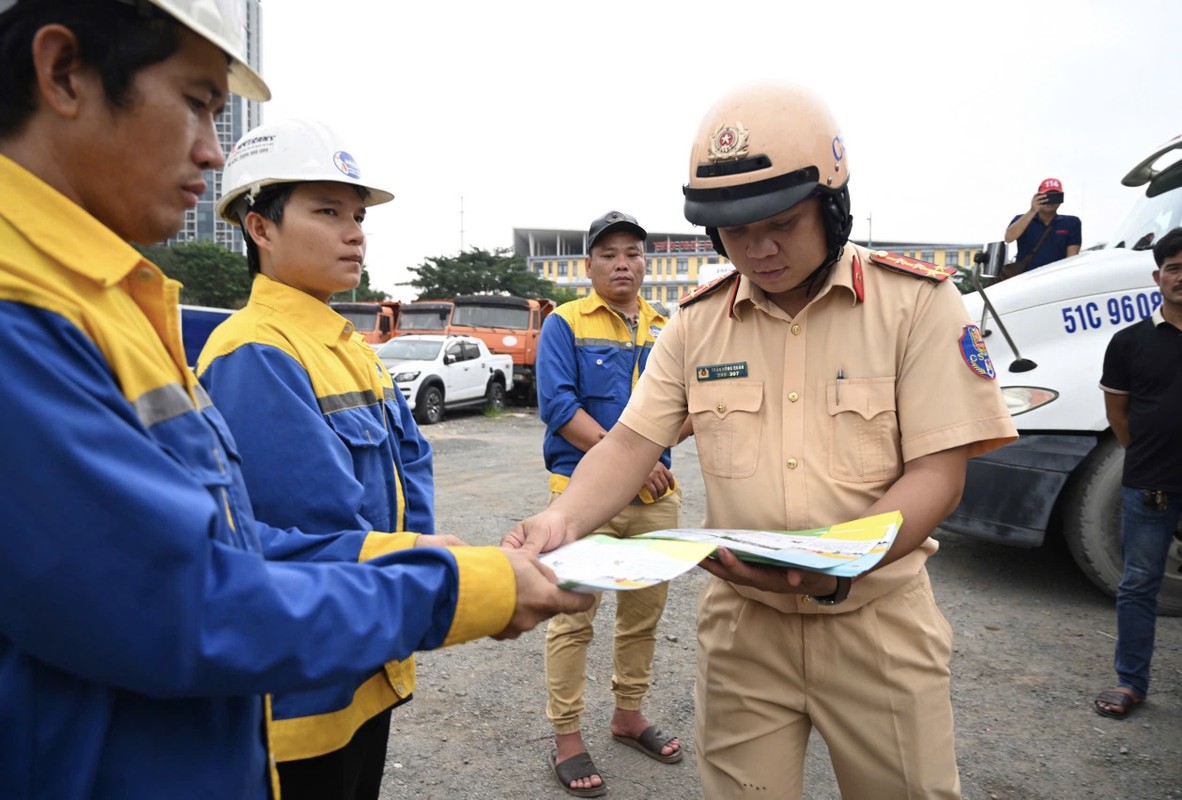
(1033,645)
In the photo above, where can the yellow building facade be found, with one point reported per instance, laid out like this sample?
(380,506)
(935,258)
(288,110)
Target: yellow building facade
(679,262)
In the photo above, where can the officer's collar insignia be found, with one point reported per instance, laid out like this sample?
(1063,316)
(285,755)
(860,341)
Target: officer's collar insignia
(709,288)
(911,266)
(972,349)
(728,143)
(716,372)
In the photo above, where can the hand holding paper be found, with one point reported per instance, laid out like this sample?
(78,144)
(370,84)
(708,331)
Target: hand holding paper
(600,563)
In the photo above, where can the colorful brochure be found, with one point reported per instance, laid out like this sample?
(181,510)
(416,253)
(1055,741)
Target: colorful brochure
(599,563)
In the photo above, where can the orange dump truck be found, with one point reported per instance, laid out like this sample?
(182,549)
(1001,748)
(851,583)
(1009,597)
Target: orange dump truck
(508,325)
(377,322)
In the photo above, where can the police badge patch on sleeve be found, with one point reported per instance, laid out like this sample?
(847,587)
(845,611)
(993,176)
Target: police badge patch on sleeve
(972,349)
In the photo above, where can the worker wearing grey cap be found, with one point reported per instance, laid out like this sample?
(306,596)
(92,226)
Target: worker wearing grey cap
(591,353)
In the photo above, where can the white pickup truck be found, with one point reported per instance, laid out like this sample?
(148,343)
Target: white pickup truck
(1047,331)
(436,372)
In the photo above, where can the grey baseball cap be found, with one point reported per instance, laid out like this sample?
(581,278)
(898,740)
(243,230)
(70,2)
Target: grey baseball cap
(611,222)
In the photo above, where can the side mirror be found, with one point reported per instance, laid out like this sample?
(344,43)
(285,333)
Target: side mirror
(384,324)
(989,261)
(450,358)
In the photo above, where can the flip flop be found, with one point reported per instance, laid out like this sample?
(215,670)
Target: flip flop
(573,768)
(1125,702)
(650,742)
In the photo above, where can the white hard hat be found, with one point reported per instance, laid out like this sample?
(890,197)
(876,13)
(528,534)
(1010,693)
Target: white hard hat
(221,22)
(218,21)
(287,152)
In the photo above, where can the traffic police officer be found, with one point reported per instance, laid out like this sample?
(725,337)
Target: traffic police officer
(825,382)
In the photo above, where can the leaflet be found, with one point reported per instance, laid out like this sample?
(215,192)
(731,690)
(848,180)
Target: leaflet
(599,563)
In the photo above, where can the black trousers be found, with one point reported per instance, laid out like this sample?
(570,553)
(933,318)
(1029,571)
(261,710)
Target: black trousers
(352,773)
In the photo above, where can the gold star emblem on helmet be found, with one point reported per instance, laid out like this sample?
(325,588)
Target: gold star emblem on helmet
(728,142)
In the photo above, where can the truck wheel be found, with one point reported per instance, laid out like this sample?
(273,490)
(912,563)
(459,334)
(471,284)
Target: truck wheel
(429,406)
(494,398)
(1091,525)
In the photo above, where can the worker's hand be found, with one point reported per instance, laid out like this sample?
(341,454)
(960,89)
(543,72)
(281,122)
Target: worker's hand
(540,533)
(1039,202)
(659,481)
(768,578)
(439,540)
(538,595)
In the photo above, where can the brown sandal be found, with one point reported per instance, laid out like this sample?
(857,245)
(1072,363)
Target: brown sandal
(574,768)
(1122,698)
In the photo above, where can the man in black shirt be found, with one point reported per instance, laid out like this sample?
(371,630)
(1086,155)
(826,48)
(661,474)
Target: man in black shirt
(1142,385)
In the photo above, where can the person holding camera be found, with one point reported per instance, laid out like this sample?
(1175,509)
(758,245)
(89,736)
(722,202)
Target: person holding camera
(1043,234)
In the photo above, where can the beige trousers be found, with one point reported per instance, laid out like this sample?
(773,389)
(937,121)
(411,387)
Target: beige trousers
(874,681)
(637,614)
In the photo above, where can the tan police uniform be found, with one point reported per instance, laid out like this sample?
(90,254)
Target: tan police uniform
(800,423)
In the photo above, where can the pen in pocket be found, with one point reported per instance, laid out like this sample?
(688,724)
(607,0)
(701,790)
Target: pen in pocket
(837,387)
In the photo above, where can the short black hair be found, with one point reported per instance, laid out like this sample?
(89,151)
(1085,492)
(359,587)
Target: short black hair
(115,39)
(1168,246)
(269,204)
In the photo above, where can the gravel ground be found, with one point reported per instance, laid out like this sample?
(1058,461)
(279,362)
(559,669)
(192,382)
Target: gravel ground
(1033,646)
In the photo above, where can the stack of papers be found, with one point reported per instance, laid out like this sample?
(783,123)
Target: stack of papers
(599,563)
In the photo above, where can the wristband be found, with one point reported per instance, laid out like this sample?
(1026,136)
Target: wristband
(839,594)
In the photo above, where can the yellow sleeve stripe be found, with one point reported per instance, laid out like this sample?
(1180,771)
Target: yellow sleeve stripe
(487,596)
(378,543)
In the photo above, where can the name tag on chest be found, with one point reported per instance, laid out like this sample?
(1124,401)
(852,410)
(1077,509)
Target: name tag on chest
(716,372)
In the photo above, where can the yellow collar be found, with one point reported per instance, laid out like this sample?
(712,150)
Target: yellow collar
(593,302)
(61,228)
(310,314)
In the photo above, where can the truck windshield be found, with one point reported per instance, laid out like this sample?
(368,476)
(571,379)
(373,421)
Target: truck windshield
(417,319)
(1150,219)
(409,350)
(491,317)
(362,320)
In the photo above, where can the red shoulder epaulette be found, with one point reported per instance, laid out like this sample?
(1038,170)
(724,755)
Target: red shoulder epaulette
(911,266)
(707,289)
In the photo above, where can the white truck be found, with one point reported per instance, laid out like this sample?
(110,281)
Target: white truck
(1047,331)
(443,372)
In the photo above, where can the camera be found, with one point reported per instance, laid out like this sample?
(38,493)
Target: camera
(1053,197)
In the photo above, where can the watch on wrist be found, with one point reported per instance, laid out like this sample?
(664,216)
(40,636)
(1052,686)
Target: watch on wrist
(839,594)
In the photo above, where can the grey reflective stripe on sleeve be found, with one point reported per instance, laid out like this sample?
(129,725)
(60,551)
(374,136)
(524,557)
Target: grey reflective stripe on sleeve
(392,393)
(340,402)
(601,343)
(163,404)
(204,401)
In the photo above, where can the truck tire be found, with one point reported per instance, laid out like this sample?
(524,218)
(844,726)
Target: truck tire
(1091,526)
(494,398)
(429,405)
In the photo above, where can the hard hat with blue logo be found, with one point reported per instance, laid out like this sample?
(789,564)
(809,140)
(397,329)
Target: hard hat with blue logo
(761,150)
(292,151)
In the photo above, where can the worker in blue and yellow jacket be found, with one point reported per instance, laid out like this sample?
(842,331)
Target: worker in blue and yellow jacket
(591,353)
(140,623)
(327,439)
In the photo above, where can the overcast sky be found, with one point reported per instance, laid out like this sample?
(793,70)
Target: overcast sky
(547,114)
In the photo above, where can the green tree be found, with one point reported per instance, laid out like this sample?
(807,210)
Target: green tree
(364,293)
(216,277)
(212,275)
(478,271)
(561,296)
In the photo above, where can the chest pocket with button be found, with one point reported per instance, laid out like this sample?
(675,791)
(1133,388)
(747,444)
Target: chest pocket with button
(863,430)
(364,437)
(727,425)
